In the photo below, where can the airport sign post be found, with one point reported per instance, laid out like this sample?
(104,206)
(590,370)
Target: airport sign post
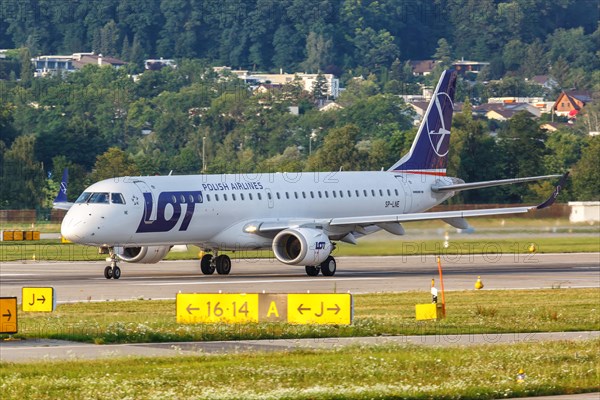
(322,309)
(8,315)
(316,308)
(216,308)
(38,299)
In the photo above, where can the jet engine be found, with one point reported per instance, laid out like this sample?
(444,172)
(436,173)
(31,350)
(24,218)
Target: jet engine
(143,254)
(302,246)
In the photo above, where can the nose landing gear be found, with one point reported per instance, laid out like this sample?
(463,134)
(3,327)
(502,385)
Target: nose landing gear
(112,271)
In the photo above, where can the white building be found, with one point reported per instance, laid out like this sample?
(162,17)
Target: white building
(585,211)
(307,80)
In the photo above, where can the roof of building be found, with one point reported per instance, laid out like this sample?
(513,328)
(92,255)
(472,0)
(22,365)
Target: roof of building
(97,60)
(422,66)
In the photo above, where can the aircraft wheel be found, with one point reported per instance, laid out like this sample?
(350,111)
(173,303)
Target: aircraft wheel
(223,265)
(108,272)
(311,270)
(116,273)
(328,266)
(206,265)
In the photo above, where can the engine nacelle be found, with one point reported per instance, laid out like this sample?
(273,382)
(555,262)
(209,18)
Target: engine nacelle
(143,254)
(302,246)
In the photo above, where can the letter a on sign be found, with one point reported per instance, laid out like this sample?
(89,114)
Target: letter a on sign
(273,310)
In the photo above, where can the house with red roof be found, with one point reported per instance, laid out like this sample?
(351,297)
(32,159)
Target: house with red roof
(571,102)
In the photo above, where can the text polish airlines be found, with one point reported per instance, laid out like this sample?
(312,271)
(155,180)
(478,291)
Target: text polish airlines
(299,216)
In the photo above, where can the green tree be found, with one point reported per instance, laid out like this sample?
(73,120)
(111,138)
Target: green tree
(114,162)
(320,87)
(586,175)
(22,175)
(318,52)
(338,151)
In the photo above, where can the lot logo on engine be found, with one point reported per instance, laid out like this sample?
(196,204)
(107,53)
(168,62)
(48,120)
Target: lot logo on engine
(169,211)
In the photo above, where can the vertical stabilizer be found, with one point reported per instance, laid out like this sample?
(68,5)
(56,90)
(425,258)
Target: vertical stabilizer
(429,151)
(61,197)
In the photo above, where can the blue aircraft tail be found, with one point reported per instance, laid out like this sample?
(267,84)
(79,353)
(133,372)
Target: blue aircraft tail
(429,152)
(61,197)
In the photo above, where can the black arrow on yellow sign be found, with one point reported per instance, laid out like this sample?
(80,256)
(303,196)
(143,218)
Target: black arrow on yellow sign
(337,309)
(189,308)
(43,300)
(8,314)
(300,309)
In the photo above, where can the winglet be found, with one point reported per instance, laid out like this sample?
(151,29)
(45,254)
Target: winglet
(554,194)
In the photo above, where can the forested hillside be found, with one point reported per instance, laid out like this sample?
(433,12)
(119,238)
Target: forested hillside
(101,123)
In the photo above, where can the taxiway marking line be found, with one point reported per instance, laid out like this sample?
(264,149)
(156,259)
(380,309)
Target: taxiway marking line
(250,282)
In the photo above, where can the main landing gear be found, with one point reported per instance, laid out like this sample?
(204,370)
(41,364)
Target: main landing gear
(220,263)
(112,271)
(327,268)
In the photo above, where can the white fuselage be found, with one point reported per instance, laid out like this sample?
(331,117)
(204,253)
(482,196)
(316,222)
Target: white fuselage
(213,211)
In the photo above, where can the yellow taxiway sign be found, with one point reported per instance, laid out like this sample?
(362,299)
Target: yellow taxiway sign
(8,315)
(38,299)
(317,308)
(216,308)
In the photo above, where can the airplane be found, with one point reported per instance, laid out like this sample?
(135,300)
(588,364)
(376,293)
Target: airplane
(300,216)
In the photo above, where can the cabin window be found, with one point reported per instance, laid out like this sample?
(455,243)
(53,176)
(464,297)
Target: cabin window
(357,193)
(208,197)
(269,196)
(173,199)
(259,196)
(216,197)
(296,195)
(250,196)
(320,194)
(396,191)
(83,197)
(333,193)
(326,194)
(117,198)
(278,196)
(242,196)
(349,193)
(381,192)
(312,194)
(303,195)
(365,193)
(389,193)
(373,192)
(233,196)
(287,195)
(341,193)
(225,197)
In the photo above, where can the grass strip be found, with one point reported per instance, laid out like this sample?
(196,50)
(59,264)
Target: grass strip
(383,372)
(468,312)
(53,250)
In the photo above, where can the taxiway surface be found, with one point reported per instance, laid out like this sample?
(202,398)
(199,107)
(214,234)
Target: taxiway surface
(84,281)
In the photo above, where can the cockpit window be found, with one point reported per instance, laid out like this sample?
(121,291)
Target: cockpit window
(117,198)
(99,198)
(83,197)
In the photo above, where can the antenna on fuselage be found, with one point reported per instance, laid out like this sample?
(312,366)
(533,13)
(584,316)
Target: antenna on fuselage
(170,172)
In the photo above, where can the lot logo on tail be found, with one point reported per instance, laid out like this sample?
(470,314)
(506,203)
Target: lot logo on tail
(439,135)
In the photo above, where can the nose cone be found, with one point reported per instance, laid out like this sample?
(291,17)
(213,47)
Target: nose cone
(71,227)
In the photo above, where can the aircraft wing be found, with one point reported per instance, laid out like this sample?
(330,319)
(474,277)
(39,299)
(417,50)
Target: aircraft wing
(478,185)
(454,218)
